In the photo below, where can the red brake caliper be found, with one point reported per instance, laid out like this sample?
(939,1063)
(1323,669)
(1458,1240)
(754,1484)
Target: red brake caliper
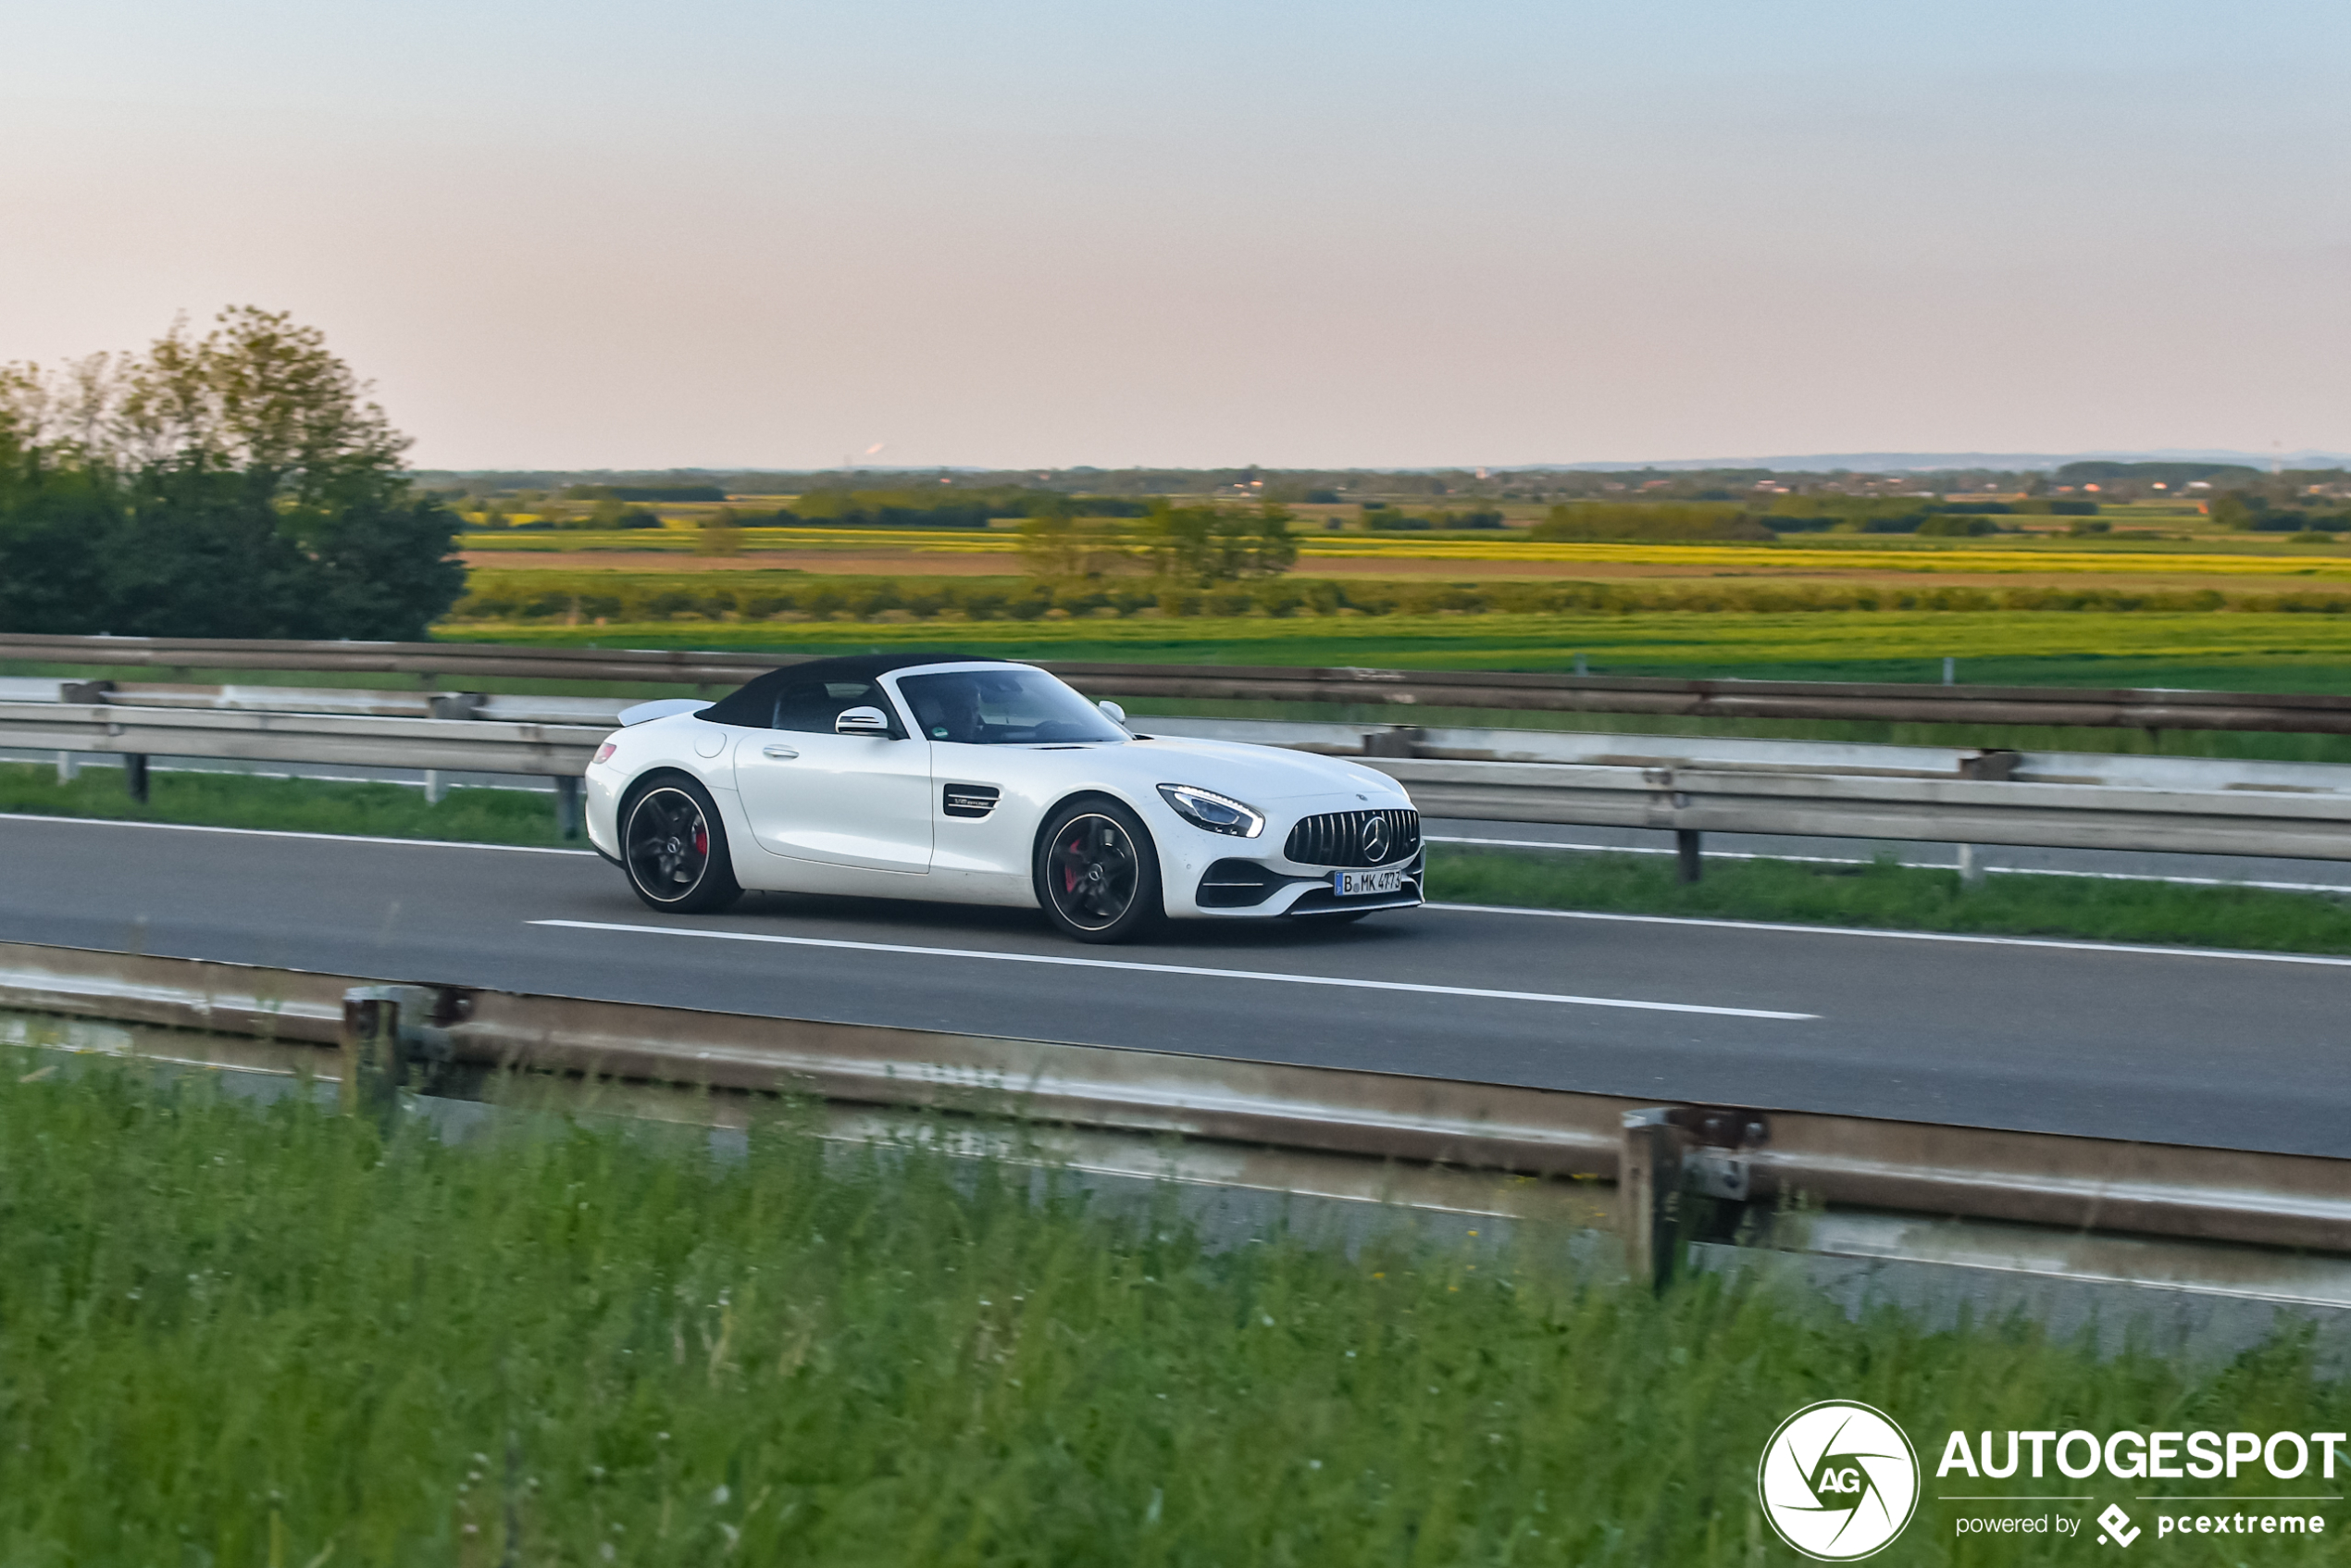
(702,837)
(1069,876)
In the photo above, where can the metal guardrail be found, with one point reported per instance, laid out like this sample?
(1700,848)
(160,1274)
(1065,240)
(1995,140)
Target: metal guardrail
(2104,708)
(1742,754)
(356,740)
(1940,811)
(1767,789)
(1661,1159)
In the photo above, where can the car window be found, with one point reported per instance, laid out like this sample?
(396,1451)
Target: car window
(1004,707)
(814,705)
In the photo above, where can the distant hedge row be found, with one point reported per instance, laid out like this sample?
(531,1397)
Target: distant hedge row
(534,596)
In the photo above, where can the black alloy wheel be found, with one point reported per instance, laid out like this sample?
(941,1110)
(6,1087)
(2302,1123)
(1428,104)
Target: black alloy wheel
(1097,872)
(674,848)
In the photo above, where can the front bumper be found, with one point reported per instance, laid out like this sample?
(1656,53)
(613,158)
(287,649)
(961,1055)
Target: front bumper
(1224,878)
(1247,887)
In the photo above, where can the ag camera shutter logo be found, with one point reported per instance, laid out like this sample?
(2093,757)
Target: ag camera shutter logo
(1838,1481)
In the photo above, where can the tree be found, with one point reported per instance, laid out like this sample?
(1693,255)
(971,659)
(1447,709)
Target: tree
(1202,545)
(235,485)
(2232,512)
(263,395)
(720,534)
(1060,546)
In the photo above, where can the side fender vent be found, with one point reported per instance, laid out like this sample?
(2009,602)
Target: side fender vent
(968,799)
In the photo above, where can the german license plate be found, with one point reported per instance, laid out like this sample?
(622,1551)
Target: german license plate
(1353,884)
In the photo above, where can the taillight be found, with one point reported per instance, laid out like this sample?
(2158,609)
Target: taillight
(604,751)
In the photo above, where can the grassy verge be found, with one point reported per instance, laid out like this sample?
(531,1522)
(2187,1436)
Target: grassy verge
(1881,895)
(242,1336)
(1889,896)
(300,805)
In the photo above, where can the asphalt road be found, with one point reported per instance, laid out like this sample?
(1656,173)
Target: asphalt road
(2300,875)
(2165,1046)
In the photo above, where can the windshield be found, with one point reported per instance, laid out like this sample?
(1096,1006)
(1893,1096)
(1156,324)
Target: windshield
(1003,707)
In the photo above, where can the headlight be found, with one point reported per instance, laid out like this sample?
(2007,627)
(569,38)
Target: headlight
(1218,813)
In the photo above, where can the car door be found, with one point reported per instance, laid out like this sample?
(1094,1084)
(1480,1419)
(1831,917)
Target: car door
(859,800)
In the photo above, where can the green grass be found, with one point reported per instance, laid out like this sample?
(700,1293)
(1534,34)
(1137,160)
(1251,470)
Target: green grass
(301,806)
(1880,895)
(1889,896)
(267,1336)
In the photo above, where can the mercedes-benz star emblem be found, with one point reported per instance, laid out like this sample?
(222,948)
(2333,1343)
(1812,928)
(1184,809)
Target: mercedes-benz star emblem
(1375,839)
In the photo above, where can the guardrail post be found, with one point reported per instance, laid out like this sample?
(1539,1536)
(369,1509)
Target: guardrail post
(567,805)
(68,764)
(372,1064)
(1971,865)
(1648,1184)
(134,776)
(434,788)
(1687,851)
(389,1039)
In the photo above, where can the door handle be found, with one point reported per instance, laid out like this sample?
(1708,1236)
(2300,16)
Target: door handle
(779,751)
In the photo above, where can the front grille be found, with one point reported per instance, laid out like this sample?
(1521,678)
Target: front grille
(1336,838)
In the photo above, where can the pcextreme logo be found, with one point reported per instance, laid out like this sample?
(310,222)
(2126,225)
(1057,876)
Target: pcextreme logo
(1838,1480)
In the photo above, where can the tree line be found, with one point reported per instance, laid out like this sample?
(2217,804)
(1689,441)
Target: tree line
(1175,546)
(236,484)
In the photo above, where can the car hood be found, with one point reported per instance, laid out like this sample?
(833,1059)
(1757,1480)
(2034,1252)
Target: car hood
(1254,774)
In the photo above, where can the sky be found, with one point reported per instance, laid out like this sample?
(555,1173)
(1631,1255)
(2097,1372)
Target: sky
(713,233)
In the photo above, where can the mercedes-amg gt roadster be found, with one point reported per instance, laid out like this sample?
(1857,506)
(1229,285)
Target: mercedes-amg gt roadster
(982,781)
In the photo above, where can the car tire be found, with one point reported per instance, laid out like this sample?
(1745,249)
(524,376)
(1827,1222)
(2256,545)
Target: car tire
(1097,872)
(674,848)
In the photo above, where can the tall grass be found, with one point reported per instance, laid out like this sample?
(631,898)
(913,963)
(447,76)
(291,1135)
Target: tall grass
(271,1337)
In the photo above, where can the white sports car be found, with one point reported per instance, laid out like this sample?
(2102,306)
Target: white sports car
(982,781)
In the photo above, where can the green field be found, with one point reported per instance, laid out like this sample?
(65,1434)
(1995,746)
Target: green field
(266,1337)
(2235,650)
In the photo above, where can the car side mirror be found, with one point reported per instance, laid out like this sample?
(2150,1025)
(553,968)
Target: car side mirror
(861,721)
(1117,714)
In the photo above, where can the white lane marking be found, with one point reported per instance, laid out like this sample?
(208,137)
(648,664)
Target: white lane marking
(287,833)
(1907,865)
(2147,951)
(1175,969)
(2134,948)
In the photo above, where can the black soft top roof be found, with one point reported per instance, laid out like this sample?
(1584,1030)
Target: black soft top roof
(749,703)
